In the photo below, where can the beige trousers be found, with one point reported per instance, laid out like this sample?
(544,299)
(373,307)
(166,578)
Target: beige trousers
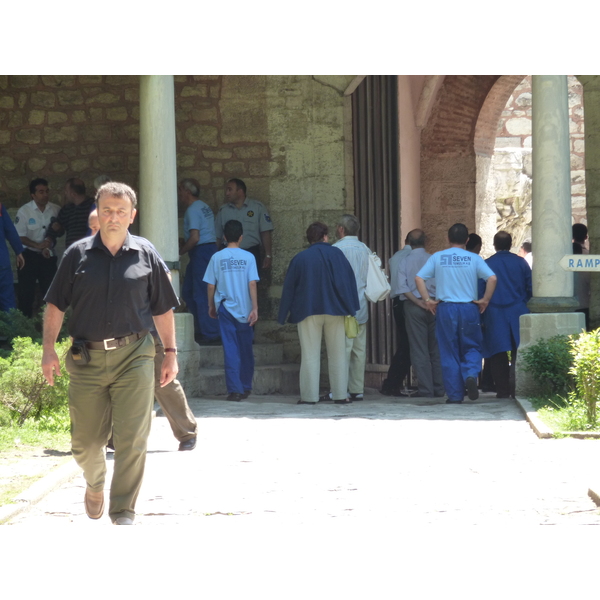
(310,332)
(356,355)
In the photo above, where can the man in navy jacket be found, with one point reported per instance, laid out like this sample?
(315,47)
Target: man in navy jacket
(9,234)
(318,292)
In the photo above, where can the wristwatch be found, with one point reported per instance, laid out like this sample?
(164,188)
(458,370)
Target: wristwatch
(171,350)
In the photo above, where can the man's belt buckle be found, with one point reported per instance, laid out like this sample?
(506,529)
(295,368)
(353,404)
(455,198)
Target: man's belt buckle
(106,347)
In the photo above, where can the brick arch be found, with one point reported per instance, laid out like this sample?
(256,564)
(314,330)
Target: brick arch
(448,159)
(489,115)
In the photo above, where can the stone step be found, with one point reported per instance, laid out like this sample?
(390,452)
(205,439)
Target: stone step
(268,379)
(264,354)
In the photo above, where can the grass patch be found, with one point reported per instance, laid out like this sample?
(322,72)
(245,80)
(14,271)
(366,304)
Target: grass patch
(564,414)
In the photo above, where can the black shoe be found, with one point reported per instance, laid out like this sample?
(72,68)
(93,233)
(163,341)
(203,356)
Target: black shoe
(187,445)
(454,401)
(235,397)
(472,390)
(246,394)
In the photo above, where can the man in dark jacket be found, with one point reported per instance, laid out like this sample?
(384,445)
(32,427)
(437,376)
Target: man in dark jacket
(318,292)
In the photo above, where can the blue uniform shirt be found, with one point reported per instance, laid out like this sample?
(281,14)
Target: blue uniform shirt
(199,216)
(456,272)
(230,271)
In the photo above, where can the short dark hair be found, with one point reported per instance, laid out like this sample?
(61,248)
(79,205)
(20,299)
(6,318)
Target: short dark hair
(580,232)
(503,240)
(316,232)
(35,182)
(416,238)
(473,241)
(76,185)
(239,184)
(233,231)
(117,190)
(458,234)
(526,246)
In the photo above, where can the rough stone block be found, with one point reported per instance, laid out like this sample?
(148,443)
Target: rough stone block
(103,98)
(87,149)
(203,135)
(118,113)
(60,167)
(96,133)
(7,163)
(55,117)
(23,81)
(58,80)
(244,121)
(22,100)
(185,160)
(45,99)
(80,164)
(204,114)
(53,135)
(36,164)
(122,80)
(4,137)
(3,82)
(28,136)
(218,154)
(78,116)
(69,97)
(90,79)
(110,163)
(15,119)
(7,102)
(131,132)
(17,183)
(36,117)
(199,90)
(508,142)
(233,168)
(132,94)
(252,151)
(519,126)
(135,112)
(217,167)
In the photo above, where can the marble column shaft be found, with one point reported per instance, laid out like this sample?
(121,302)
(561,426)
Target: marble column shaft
(158,169)
(551,204)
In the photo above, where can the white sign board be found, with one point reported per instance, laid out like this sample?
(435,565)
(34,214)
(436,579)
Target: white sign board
(580,262)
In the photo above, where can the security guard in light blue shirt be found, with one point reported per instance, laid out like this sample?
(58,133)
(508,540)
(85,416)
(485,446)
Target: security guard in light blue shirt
(458,326)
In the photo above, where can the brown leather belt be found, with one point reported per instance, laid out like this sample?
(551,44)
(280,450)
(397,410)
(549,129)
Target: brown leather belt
(114,343)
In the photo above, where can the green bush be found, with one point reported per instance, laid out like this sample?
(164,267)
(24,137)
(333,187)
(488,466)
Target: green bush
(586,371)
(550,362)
(23,389)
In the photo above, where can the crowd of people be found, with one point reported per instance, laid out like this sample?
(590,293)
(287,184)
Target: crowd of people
(452,309)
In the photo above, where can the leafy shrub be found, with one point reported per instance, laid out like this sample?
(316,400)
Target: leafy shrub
(550,362)
(586,371)
(23,389)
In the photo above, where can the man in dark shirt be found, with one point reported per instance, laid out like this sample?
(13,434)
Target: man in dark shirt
(117,288)
(73,216)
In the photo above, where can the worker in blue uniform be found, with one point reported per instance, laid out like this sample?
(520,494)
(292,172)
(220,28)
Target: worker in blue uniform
(9,234)
(457,308)
(501,319)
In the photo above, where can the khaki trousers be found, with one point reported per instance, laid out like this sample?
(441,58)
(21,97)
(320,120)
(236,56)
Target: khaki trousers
(116,388)
(356,355)
(172,401)
(310,332)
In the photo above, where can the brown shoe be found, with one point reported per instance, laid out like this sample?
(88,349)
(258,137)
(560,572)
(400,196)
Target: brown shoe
(94,504)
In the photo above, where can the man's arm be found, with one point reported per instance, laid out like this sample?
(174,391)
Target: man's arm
(431,305)
(212,311)
(192,241)
(490,286)
(46,243)
(266,238)
(418,301)
(253,316)
(53,319)
(165,326)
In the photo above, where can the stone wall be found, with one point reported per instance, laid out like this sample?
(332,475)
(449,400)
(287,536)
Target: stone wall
(284,135)
(509,182)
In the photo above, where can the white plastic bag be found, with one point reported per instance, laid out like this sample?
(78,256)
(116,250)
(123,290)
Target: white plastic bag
(378,286)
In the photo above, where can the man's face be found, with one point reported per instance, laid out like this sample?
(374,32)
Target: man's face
(94,223)
(41,194)
(115,215)
(232,193)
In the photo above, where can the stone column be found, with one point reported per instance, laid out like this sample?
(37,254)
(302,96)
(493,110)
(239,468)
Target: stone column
(552,300)
(158,191)
(591,102)
(551,203)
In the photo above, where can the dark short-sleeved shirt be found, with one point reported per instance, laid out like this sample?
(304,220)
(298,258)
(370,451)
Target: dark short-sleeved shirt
(74,219)
(111,296)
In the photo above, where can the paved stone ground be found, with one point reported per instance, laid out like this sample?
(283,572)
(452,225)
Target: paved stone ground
(404,461)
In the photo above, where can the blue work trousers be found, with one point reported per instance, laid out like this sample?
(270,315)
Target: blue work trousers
(195,290)
(7,289)
(459,336)
(237,349)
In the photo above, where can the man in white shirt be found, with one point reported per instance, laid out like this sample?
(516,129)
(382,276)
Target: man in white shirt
(420,323)
(32,223)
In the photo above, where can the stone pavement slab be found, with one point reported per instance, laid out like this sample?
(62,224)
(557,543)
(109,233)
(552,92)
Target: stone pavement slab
(406,462)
